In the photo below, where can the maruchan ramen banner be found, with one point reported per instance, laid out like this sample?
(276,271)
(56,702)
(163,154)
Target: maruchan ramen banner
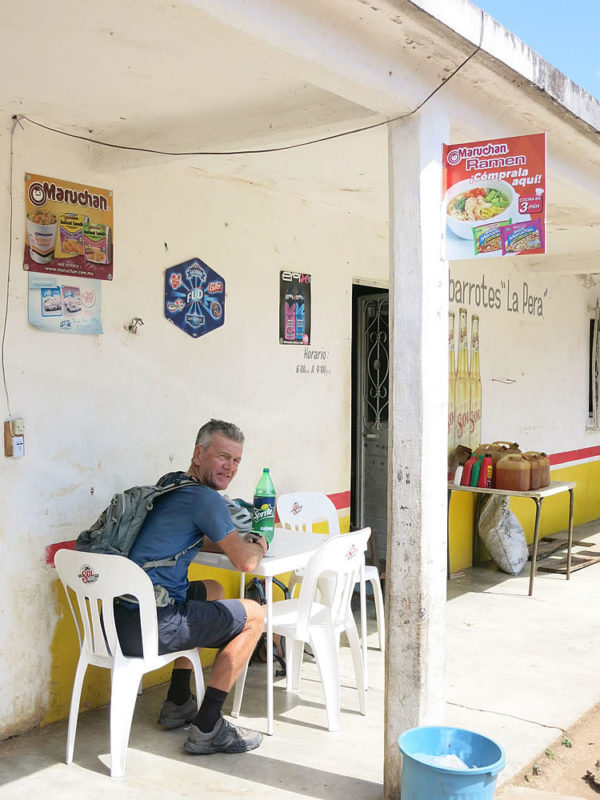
(68,228)
(494,197)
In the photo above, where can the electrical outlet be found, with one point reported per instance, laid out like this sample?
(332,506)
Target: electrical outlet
(14,446)
(18,426)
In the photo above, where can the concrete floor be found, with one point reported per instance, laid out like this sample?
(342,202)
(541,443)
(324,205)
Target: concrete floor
(519,669)
(523,669)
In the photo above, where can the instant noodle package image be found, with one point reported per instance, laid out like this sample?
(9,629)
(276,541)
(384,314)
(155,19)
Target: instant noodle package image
(97,243)
(68,228)
(523,237)
(70,235)
(493,189)
(41,235)
(488,238)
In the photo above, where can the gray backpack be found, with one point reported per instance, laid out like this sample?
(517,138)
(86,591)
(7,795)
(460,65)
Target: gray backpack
(118,526)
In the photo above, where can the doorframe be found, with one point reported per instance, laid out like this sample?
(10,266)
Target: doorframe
(360,288)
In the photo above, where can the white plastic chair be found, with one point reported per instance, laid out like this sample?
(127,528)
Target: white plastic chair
(96,580)
(304,620)
(300,511)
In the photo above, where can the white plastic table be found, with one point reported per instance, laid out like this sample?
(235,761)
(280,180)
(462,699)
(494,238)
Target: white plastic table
(289,550)
(537,495)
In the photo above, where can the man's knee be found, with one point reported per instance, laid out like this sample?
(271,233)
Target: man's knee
(255,613)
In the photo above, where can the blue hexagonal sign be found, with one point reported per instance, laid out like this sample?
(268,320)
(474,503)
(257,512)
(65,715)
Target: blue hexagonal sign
(194,297)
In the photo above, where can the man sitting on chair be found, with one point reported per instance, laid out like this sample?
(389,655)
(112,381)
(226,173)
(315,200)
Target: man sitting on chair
(195,614)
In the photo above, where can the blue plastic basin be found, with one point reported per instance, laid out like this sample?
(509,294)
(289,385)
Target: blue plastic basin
(421,780)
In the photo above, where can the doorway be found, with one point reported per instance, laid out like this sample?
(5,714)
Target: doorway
(370,409)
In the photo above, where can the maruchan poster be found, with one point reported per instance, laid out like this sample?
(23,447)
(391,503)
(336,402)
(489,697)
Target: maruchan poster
(494,197)
(68,228)
(294,308)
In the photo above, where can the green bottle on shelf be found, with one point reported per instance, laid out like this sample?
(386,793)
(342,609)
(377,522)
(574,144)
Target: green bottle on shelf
(263,516)
(475,471)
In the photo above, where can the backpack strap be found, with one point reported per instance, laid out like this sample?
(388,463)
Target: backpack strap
(255,585)
(184,481)
(171,560)
(177,484)
(161,597)
(283,587)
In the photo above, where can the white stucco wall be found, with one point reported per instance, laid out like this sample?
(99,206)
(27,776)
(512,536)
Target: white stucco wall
(104,412)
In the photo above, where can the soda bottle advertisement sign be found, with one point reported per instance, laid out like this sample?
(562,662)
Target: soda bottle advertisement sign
(194,297)
(494,197)
(68,228)
(294,308)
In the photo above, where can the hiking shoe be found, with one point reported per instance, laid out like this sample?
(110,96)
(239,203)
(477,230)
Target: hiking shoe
(224,738)
(174,716)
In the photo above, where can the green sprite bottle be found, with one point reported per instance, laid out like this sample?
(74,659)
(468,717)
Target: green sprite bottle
(263,517)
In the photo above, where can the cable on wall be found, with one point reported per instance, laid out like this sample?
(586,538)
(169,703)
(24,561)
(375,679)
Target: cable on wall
(10,238)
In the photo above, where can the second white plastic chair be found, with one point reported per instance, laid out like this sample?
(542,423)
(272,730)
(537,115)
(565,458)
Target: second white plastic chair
(301,511)
(304,620)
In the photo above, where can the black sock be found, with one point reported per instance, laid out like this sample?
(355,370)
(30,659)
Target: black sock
(179,690)
(210,710)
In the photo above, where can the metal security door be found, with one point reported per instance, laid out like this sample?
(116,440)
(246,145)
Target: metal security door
(372,407)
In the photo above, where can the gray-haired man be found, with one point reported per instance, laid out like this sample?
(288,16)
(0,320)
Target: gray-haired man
(196,614)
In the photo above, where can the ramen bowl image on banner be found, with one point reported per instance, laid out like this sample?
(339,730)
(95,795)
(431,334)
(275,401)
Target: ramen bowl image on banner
(472,203)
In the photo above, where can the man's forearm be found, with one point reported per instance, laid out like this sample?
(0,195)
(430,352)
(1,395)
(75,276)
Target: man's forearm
(245,553)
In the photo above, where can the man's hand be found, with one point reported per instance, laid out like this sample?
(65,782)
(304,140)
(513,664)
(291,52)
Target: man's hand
(256,538)
(244,554)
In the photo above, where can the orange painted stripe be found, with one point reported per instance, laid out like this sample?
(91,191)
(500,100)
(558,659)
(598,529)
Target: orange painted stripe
(574,455)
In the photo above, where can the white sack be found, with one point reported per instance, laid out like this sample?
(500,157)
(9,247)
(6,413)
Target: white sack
(502,534)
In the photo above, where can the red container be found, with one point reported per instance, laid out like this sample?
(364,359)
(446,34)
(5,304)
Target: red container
(467,469)
(486,472)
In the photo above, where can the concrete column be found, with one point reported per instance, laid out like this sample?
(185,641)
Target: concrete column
(416,552)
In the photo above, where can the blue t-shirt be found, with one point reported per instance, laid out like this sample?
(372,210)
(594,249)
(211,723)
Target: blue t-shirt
(177,520)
